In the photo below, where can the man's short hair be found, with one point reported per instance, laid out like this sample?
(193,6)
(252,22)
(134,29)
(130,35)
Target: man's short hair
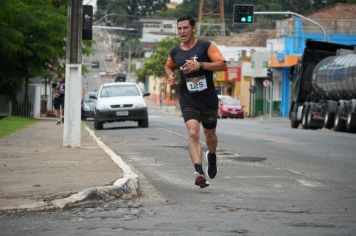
(188,18)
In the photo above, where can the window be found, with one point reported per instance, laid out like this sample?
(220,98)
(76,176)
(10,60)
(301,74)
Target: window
(167,26)
(119,91)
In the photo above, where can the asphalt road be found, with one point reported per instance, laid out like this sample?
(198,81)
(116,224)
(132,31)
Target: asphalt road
(272,180)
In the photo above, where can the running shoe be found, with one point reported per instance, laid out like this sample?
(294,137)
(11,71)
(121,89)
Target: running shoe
(200,180)
(58,122)
(212,169)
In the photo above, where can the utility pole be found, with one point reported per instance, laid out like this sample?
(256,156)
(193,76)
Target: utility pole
(73,84)
(211,16)
(271,86)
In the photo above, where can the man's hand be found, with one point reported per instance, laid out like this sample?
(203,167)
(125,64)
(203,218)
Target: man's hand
(171,78)
(191,66)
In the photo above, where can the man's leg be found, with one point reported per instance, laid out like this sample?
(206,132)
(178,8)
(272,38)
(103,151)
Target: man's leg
(62,108)
(193,127)
(58,110)
(211,139)
(211,142)
(58,114)
(209,122)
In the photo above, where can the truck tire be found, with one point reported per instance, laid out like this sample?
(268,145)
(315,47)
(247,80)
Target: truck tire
(305,124)
(294,122)
(293,117)
(339,123)
(351,117)
(331,107)
(311,122)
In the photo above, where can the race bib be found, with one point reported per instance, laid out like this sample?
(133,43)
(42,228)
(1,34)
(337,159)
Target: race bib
(196,84)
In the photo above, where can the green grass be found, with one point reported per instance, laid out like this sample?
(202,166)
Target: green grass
(11,124)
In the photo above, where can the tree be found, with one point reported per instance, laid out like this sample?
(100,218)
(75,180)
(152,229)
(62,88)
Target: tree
(32,42)
(154,65)
(130,45)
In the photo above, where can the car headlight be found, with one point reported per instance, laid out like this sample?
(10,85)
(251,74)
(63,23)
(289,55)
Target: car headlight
(86,107)
(101,106)
(140,104)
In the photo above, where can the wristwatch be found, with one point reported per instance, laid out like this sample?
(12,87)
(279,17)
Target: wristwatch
(201,65)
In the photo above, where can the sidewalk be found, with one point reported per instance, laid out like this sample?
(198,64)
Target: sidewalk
(38,173)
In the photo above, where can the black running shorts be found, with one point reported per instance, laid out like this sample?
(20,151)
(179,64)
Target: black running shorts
(208,118)
(58,102)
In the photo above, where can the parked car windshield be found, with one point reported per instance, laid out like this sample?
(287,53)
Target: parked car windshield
(87,97)
(119,91)
(231,101)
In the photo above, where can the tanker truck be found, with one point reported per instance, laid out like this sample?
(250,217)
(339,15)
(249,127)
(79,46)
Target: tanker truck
(324,87)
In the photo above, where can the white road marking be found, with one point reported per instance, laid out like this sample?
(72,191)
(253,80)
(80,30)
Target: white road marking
(172,132)
(295,172)
(309,183)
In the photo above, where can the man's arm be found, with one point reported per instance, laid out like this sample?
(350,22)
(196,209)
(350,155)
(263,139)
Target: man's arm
(213,66)
(218,62)
(169,69)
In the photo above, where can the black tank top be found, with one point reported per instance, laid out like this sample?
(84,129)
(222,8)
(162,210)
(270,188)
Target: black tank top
(197,88)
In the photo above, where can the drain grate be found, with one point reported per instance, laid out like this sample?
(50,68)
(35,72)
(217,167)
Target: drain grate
(175,147)
(251,159)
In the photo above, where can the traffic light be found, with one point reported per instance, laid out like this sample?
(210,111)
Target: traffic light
(87,22)
(269,74)
(243,13)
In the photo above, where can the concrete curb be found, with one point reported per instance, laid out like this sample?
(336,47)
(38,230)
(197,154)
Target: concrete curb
(123,188)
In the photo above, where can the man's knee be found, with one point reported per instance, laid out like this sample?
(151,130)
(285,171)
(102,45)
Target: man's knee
(193,134)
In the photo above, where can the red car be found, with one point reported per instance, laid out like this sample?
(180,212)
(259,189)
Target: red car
(230,107)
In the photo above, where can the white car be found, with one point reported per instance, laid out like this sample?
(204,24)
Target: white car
(108,57)
(121,101)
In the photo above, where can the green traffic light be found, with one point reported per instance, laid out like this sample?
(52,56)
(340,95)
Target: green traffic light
(249,19)
(243,19)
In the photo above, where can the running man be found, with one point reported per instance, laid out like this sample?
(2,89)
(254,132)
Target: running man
(196,61)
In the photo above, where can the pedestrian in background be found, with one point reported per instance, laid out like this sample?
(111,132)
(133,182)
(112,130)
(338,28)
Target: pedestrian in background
(161,99)
(196,61)
(58,100)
